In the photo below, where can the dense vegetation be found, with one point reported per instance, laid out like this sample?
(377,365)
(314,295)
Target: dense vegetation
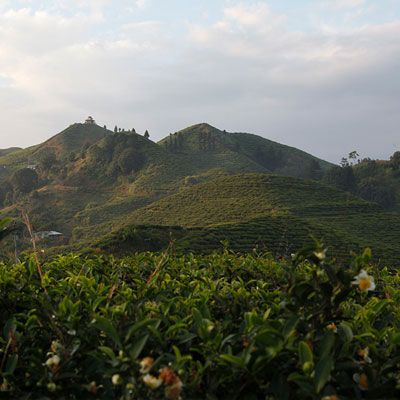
(98,188)
(221,326)
(268,212)
(377,181)
(108,175)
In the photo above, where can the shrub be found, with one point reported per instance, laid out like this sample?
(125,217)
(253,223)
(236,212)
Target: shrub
(222,326)
(24,180)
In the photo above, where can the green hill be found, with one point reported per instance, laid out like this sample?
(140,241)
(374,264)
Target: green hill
(72,139)
(210,184)
(4,152)
(269,212)
(220,148)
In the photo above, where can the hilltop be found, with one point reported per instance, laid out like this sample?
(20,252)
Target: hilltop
(218,148)
(72,139)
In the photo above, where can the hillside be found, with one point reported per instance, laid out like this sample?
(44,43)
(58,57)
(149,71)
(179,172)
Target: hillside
(72,139)
(220,148)
(93,179)
(268,212)
(210,184)
(4,152)
(245,196)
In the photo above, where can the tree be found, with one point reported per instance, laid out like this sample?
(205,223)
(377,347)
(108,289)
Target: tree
(354,157)
(147,134)
(5,188)
(312,169)
(130,160)
(47,160)
(24,180)
(71,156)
(133,130)
(395,160)
(341,177)
(97,154)
(377,191)
(6,228)
(115,129)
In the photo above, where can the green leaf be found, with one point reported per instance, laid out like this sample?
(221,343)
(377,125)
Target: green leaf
(233,360)
(345,332)
(326,345)
(139,325)
(11,364)
(9,328)
(138,347)
(306,357)
(108,351)
(396,338)
(105,325)
(290,326)
(323,372)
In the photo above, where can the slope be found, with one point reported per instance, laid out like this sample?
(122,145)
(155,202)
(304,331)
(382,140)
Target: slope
(273,213)
(4,152)
(71,139)
(220,147)
(99,179)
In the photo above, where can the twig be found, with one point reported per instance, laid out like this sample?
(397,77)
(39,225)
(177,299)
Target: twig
(159,266)
(28,225)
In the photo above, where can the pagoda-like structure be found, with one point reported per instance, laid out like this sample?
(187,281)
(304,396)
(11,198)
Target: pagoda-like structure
(90,121)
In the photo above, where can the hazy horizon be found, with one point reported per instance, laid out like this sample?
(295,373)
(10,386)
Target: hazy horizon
(319,75)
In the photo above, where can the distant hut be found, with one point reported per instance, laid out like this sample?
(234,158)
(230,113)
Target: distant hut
(90,121)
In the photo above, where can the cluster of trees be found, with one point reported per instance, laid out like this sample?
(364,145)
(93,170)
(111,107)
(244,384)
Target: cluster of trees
(372,180)
(21,182)
(122,130)
(120,154)
(207,141)
(174,142)
(269,157)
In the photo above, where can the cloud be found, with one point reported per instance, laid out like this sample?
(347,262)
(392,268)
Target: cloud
(328,91)
(344,4)
(141,3)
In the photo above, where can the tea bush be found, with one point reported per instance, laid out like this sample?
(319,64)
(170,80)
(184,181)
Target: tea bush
(221,326)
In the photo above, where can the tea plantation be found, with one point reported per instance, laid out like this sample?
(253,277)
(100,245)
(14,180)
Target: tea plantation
(218,326)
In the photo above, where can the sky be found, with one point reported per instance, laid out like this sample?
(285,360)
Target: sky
(320,75)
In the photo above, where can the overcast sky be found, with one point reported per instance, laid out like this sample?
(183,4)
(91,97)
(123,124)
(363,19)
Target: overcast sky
(321,75)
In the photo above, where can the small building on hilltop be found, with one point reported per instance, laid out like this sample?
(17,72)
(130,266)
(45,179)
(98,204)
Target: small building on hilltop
(90,121)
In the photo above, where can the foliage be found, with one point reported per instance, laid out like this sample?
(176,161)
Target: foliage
(5,228)
(47,159)
(215,327)
(24,180)
(130,160)
(373,189)
(341,177)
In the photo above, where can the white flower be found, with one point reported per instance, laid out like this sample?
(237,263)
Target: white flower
(116,379)
(53,361)
(152,382)
(321,255)
(364,281)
